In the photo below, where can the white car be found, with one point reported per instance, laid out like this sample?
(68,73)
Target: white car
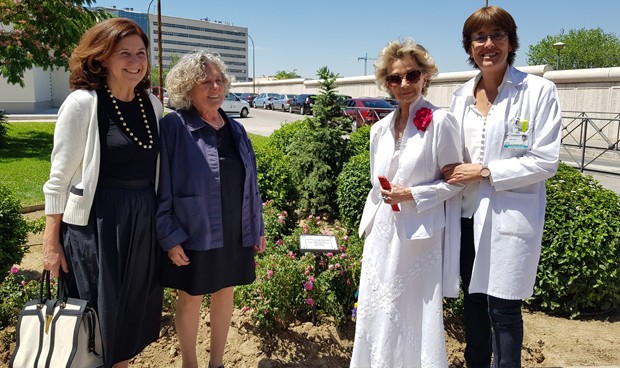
(233,105)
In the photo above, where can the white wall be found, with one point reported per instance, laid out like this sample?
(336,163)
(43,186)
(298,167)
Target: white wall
(591,90)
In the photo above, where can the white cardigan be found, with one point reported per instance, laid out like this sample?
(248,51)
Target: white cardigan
(71,187)
(510,214)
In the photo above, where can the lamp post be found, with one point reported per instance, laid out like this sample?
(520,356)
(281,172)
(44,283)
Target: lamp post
(558,46)
(160,53)
(365,58)
(148,28)
(253,66)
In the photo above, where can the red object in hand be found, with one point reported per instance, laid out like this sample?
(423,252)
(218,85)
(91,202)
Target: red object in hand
(385,184)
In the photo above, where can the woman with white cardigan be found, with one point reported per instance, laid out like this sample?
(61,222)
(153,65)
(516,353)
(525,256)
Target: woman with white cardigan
(100,197)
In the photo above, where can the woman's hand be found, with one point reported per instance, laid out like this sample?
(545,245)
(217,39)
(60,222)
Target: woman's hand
(53,254)
(396,194)
(462,173)
(177,256)
(260,248)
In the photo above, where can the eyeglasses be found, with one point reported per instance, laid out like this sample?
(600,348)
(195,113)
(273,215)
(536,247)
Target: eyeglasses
(495,37)
(395,80)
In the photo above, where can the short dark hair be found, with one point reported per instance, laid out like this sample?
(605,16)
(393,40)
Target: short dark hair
(96,46)
(490,15)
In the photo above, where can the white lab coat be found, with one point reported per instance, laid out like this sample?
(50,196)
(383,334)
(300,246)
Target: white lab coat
(422,156)
(510,214)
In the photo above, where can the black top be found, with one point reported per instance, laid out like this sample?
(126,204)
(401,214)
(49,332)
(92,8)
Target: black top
(121,157)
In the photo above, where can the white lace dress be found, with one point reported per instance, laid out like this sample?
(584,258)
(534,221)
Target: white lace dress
(399,312)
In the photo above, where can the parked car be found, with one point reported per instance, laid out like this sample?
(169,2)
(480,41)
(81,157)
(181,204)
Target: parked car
(366,110)
(283,102)
(234,105)
(166,100)
(247,96)
(264,100)
(302,103)
(342,98)
(392,101)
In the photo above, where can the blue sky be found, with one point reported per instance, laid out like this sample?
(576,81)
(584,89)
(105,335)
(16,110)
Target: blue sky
(307,35)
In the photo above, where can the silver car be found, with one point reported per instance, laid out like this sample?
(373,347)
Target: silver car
(264,100)
(283,102)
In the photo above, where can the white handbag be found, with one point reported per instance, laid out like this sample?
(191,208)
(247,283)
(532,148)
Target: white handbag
(62,332)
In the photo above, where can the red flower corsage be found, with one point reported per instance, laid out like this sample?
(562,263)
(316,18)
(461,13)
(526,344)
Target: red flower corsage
(423,118)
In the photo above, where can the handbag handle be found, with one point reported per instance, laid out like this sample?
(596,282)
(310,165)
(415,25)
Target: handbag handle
(45,283)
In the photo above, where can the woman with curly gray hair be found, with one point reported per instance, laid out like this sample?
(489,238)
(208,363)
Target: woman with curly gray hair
(209,216)
(399,312)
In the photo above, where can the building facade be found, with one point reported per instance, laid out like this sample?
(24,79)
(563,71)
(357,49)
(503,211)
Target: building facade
(180,36)
(46,89)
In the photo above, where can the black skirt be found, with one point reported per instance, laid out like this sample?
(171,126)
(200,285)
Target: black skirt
(113,263)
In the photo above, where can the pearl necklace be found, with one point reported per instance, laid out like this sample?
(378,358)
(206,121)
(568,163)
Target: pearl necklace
(146,121)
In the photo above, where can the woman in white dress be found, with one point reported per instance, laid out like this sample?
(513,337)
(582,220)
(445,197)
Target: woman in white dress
(400,311)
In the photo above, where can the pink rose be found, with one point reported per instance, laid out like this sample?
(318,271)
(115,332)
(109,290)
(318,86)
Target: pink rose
(423,118)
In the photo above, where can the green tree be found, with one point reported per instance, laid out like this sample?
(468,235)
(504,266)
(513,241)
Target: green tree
(327,110)
(584,48)
(283,74)
(41,33)
(174,60)
(318,152)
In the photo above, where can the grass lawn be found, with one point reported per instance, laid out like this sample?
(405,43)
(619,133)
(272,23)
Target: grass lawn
(25,162)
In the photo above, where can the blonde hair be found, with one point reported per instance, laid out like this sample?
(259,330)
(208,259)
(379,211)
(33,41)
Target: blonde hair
(401,48)
(189,71)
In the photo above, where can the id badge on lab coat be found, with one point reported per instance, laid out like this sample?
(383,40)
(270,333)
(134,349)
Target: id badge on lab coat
(519,136)
(517,141)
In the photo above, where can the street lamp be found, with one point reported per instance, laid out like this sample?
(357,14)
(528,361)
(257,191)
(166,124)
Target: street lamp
(365,58)
(148,29)
(253,66)
(558,46)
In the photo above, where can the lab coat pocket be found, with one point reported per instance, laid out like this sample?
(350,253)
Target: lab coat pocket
(516,214)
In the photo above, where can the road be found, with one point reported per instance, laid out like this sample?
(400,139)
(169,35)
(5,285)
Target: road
(264,122)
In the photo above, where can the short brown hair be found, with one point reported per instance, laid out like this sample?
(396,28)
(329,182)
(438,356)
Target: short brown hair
(490,15)
(96,46)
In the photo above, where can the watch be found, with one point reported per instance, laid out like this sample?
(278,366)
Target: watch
(485,172)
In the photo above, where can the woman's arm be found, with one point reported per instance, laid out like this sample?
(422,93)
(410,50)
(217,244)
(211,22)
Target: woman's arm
(53,254)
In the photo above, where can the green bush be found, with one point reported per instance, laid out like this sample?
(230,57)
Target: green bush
(360,141)
(282,138)
(275,176)
(353,187)
(579,270)
(289,286)
(13,231)
(15,290)
(278,223)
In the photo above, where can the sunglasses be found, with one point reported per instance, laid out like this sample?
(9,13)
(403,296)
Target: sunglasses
(395,80)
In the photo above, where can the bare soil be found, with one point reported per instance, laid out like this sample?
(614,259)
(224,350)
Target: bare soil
(548,342)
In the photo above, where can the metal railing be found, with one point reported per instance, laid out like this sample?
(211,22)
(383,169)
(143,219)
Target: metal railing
(591,140)
(365,115)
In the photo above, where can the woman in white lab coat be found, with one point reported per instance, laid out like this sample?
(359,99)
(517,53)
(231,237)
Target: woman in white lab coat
(511,125)
(399,313)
